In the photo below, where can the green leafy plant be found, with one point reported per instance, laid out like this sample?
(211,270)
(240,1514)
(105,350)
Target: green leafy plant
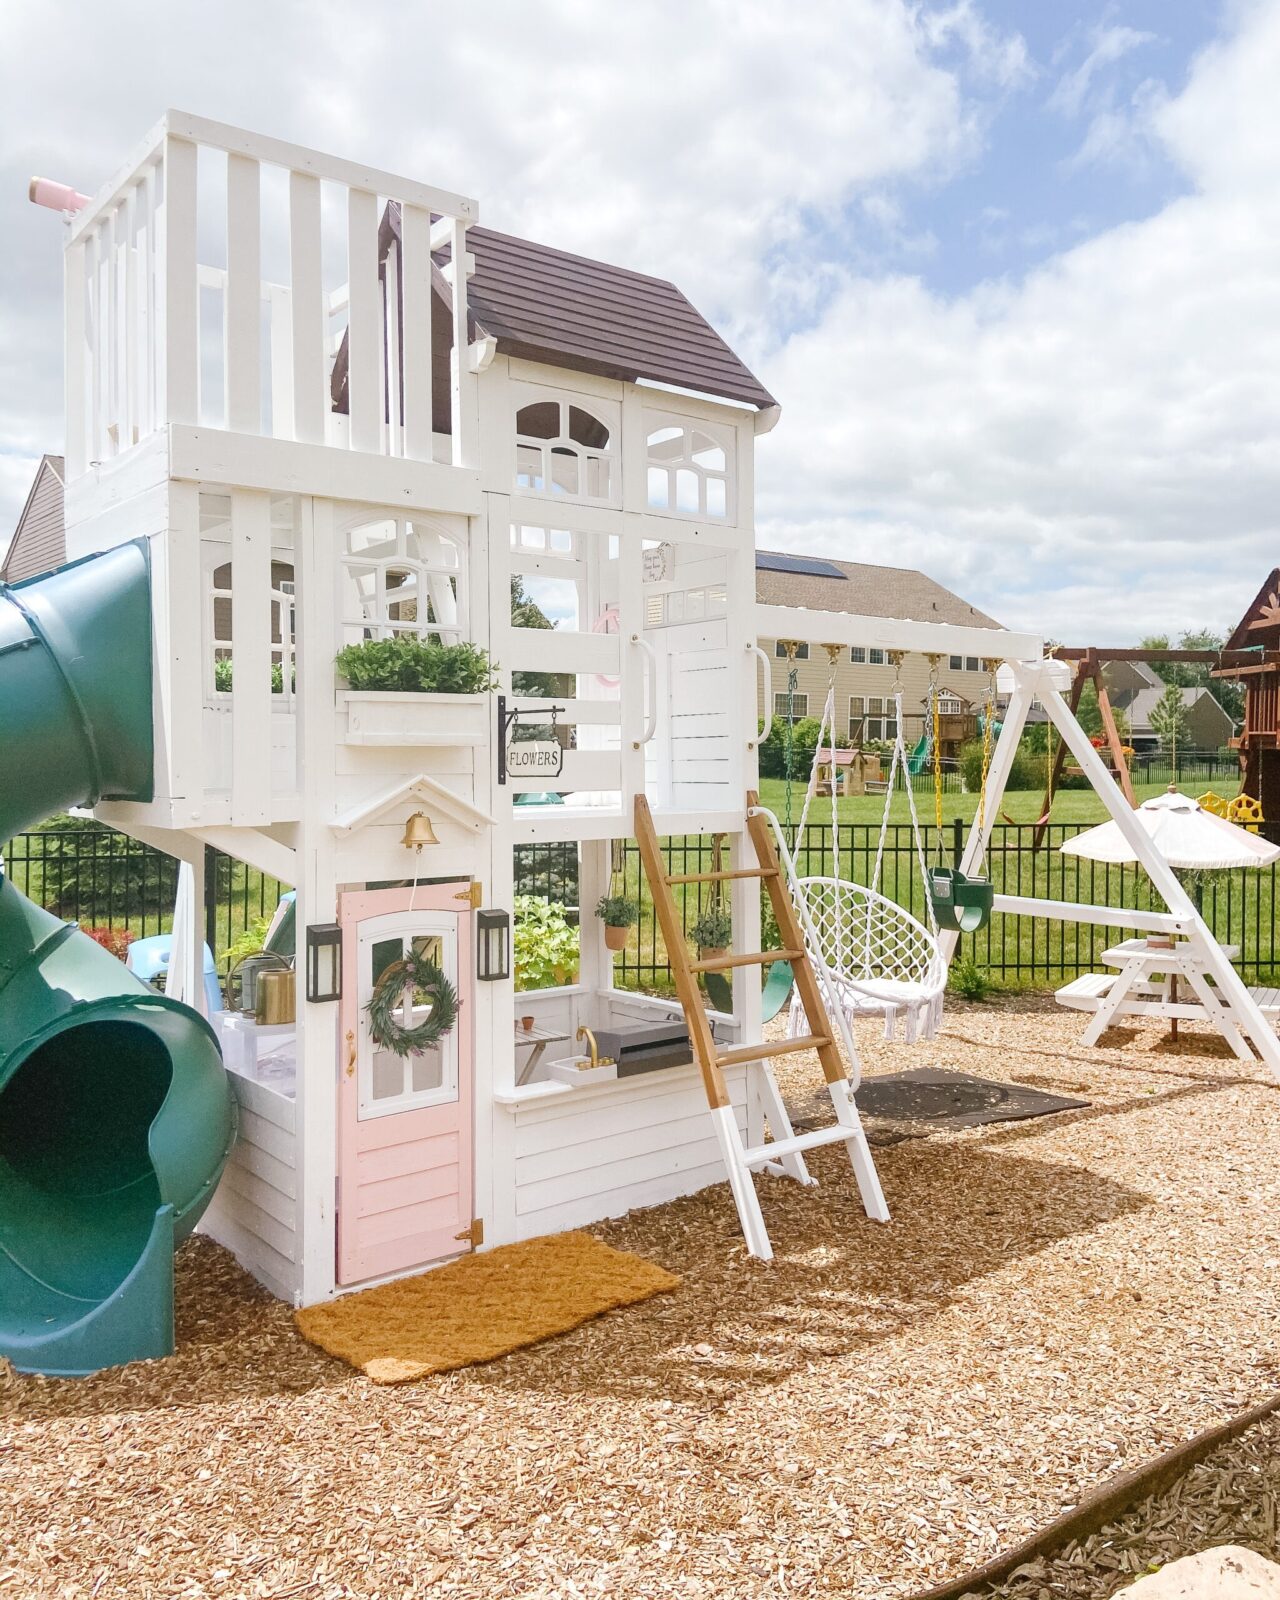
(247,943)
(968,980)
(404,664)
(713,930)
(545,944)
(616,911)
(223,674)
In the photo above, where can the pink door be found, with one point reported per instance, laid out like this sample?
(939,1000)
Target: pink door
(404,1122)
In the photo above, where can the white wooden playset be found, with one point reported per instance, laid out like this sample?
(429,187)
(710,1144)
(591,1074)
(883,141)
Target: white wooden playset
(337,409)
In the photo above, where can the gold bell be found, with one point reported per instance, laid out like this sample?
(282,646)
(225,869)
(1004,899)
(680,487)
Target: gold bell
(418,832)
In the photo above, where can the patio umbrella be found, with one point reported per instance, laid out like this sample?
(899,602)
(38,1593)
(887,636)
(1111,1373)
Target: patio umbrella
(1185,834)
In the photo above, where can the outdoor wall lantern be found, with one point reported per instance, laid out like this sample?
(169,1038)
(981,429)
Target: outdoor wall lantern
(324,961)
(493,946)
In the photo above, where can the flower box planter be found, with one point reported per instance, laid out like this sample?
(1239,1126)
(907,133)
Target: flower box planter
(387,718)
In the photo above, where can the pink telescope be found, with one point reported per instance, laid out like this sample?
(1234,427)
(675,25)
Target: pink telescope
(57,196)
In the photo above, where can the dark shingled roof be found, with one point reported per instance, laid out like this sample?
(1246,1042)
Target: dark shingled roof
(867,591)
(547,305)
(568,311)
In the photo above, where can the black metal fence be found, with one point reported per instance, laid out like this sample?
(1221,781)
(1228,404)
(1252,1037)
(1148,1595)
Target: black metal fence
(117,886)
(107,881)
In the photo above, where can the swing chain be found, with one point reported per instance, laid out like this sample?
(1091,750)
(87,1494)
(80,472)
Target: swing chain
(935,740)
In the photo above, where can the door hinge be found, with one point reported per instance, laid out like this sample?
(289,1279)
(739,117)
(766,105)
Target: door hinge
(473,1234)
(474,892)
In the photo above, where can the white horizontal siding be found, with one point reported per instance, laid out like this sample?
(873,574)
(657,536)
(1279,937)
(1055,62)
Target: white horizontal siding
(253,1212)
(606,1150)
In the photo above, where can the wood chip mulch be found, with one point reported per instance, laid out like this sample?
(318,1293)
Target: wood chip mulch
(880,1409)
(1230,1498)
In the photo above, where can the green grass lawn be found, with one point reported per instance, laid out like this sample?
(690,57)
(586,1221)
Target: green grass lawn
(1019,805)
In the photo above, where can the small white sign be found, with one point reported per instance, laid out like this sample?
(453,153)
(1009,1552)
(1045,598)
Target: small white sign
(659,563)
(534,758)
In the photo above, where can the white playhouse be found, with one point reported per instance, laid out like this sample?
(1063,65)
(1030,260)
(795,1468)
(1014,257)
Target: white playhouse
(342,413)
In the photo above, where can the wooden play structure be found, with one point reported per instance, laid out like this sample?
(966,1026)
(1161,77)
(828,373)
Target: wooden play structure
(338,413)
(1255,662)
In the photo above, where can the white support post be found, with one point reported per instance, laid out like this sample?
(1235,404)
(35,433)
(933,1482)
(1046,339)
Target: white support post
(75,358)
(416,300)
(181,328)
(318,1061)
(639,680)
(128,213)
(463,406)
(364,322)
(310,367)
(179,650)
(251,658)
(242,317)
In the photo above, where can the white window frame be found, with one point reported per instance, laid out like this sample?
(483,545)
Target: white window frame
(780,704)
(670,466)
(377,930)
(857,655)
(607,413)
(213,556)
(366,614)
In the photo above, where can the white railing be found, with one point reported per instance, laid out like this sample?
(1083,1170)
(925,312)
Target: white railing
(171,317)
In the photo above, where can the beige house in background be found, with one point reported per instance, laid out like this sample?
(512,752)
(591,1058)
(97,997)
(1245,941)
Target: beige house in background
(39,540)
(864,678)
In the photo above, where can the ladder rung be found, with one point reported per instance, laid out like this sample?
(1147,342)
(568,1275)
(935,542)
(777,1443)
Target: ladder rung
(751,958)
(796,1144)
(721,877)
(780,1047)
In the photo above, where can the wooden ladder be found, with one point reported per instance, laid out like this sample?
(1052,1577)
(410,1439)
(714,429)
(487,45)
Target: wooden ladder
(783,1153)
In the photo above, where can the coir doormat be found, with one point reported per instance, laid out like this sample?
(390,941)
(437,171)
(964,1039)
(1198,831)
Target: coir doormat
(480,1307)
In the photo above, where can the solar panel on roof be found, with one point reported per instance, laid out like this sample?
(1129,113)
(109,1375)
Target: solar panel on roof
(801,566)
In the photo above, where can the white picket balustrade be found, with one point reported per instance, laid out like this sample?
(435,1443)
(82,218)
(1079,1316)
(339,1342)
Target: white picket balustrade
(160,331)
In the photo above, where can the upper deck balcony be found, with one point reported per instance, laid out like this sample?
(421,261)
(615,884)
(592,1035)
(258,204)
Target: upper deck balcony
(211,284)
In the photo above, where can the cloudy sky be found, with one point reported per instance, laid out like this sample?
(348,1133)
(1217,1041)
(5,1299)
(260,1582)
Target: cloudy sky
(1011,266)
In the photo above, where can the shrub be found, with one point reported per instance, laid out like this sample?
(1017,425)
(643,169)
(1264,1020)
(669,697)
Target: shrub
(116,940)
(713,930)
(1027,772)
(968,980)
(545,944)
(406,664)
(223,675)
(773,751)
(247,943)
(616,911)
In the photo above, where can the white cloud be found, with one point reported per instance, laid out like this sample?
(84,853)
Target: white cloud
(705,142)
(1095,451)
(1110,45)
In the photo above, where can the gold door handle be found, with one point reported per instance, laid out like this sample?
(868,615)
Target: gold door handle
(351,1054)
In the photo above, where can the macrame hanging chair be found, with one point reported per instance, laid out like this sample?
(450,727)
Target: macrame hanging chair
(871,957)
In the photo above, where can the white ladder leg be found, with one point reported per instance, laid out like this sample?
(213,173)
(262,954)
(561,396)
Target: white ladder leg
(744,1191)
(864,1168)
(791,1166)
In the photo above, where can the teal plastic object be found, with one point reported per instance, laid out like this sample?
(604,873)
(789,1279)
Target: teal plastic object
(918,757)
(777,987)
(75,687)
(116,1116)
(961,904)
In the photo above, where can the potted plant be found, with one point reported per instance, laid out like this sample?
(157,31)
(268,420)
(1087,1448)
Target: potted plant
(410,691)
(619,916)
(712,932)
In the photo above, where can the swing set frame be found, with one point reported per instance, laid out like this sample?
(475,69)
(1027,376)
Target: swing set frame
(1030,676)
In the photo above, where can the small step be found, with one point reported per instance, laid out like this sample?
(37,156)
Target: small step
(797,1144)
(728,875)
(780,1047)
(750,958)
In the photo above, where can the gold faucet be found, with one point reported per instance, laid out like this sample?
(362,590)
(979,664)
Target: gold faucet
(596,1060)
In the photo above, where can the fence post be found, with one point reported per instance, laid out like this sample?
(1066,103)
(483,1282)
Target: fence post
(211,899)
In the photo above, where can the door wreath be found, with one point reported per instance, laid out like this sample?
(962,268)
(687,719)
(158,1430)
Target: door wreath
(425,979)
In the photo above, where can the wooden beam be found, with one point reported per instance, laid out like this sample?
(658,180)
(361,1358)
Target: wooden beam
(1110,729)
(1059,761)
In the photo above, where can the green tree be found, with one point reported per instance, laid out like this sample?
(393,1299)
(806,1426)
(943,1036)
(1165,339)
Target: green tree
(1197,674)
(1169,717)
(527,613)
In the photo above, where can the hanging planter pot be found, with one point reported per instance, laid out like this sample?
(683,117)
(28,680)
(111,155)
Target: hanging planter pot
(961,904)
(615,936)
(619,916)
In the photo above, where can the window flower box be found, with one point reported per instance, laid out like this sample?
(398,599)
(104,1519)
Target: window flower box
(391,718)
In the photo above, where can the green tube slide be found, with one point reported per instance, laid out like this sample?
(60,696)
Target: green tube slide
(116,1117)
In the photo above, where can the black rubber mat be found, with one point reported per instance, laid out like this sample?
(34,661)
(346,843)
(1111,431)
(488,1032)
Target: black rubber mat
(943,1099)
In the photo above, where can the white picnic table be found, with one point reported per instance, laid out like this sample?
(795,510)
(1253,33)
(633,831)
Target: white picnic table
(1147,985)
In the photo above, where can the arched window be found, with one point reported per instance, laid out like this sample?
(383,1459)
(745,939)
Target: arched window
(564,449)
(403,575)
(688,468)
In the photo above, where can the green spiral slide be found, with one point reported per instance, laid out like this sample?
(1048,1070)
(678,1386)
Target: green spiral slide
(116,1116)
